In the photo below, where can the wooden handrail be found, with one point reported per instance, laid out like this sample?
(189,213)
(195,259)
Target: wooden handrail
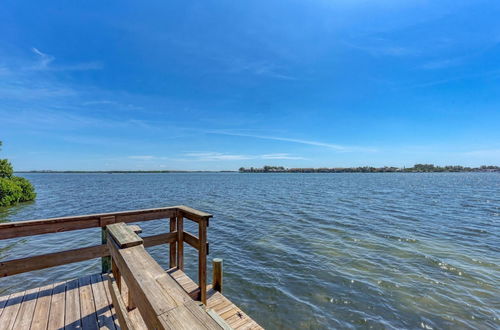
(123,235)
(28,264)
(55,225)
(160,299)
(193,214)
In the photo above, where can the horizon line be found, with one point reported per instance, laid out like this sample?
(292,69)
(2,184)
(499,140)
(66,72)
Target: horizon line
(246,168)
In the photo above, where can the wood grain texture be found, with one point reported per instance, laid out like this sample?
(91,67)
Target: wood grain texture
(217,275)
(165,238)
(173,245)
(189,316)
(55,301)
(72,313)
(123,235)
(42,308)
(218,303)
(110,300)
(135,228)
(180,242)
(191,240)
(87,304)
(23,265)
(155,292)
(202,260)
(57,307)
(105,261)
(17,266)
(104,315)
(119,305)
(10,310)
(193,214)
(25,313)
(56,225)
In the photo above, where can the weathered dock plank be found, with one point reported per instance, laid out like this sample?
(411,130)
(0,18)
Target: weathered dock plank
(105,319)
(42,308)
(227,310)
(10,310)
(25,314)
(123,235)
(85,303)
(3,302)
(57,307)
(72,307)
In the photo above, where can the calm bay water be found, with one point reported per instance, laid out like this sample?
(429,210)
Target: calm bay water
(307,250)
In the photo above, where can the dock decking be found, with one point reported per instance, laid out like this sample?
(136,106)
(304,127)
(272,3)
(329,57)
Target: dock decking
(74,304)
(85,303)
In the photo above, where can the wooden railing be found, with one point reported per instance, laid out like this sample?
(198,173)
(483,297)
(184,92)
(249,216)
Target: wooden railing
(160,300)
(175,238)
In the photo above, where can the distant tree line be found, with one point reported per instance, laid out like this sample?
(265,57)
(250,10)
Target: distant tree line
(368,169)
(13,189)
(120,172)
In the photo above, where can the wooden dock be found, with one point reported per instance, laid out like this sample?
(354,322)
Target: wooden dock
(133,292)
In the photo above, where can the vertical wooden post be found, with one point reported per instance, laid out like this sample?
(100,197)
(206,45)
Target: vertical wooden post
(202,260)
(117,276)
(217,275)
(180,242)
(105,261)
(173,246)
(131,304)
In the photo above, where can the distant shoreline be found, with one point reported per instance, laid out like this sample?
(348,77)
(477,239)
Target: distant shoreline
(417,168)
(119,172)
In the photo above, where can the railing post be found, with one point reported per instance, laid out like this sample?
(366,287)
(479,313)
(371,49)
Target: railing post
(105,261)
(180,242)
(217,275)
(173,246)
(202,260)
(117,276)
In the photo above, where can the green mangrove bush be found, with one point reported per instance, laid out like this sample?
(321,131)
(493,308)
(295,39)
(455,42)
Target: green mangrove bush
(13,189)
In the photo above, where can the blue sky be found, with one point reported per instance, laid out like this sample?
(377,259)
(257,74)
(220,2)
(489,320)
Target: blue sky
(91,85)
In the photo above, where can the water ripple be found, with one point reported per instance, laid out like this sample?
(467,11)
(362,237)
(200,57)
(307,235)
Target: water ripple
(308,250)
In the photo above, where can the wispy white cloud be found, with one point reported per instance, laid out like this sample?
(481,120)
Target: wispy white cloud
(333,146)
(493,74)
(280,156)
(209,156)
(25,92)
(45,61)
(483,153)
(100,102)
(218,156)
(382,47)
(258,68)
(142,157)
(235,63)
(114,104)
(268,70)
(443,63)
